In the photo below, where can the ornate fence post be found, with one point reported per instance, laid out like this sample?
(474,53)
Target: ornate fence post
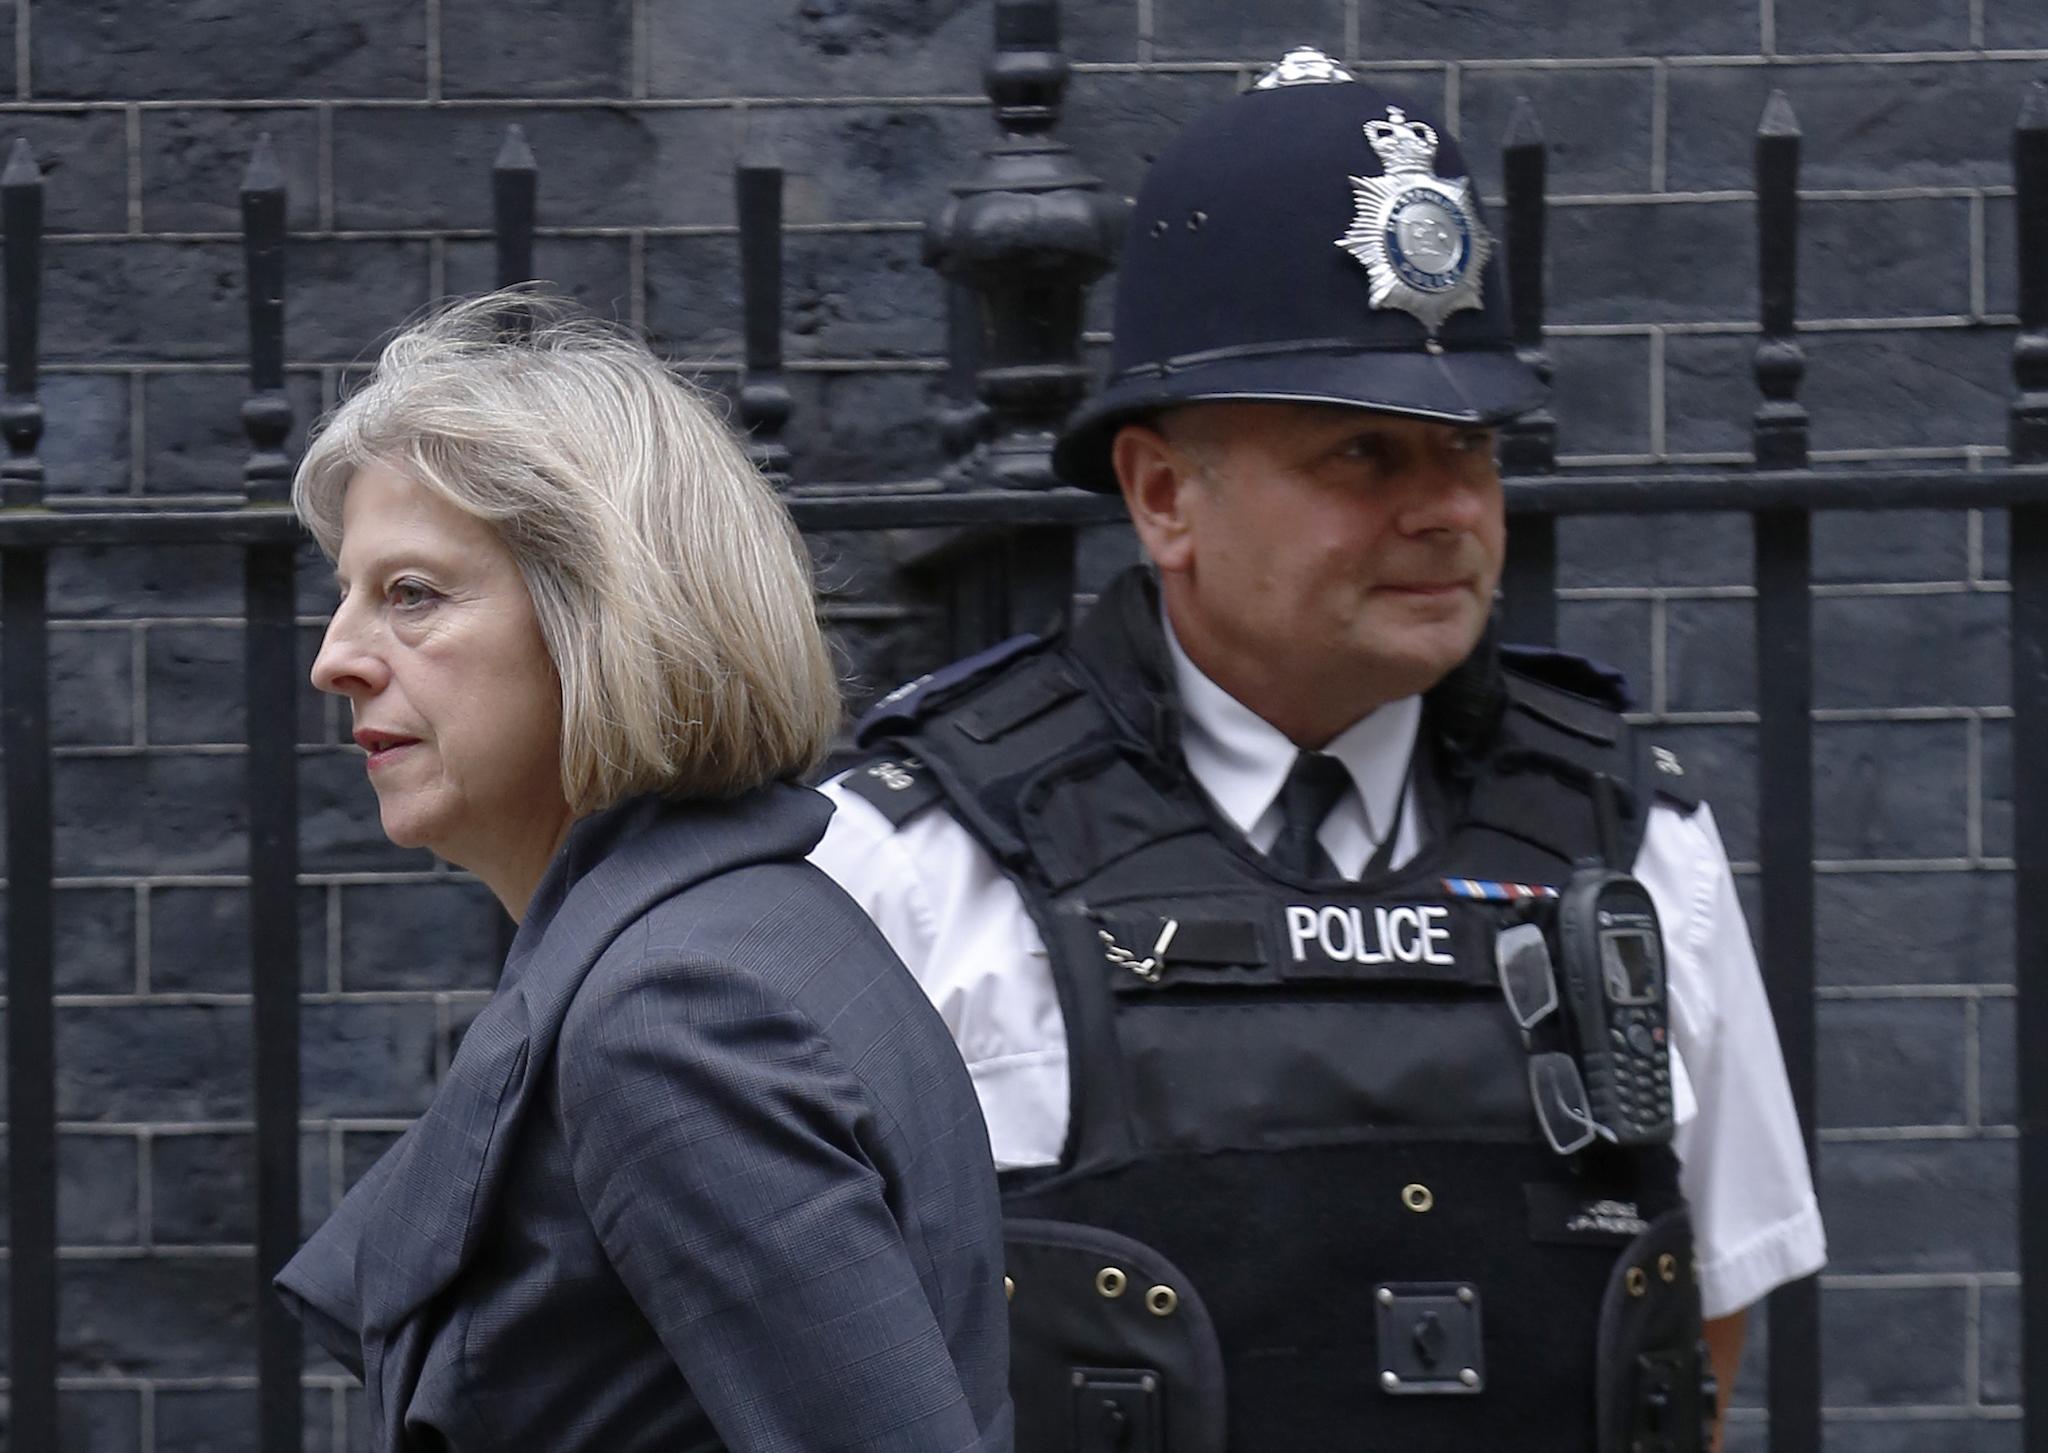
(1784,656)
(1529,444)
(764,397)
(31,924)
(2029,574)
(270,663)
(1028,234)
(515,182)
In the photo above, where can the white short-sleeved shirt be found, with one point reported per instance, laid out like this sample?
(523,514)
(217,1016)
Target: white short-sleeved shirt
(962,928)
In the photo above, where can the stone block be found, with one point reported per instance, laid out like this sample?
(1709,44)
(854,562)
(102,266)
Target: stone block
(1893,1346)
(597,166)
(439,935)
(834,48)
(2001,255)
(1892,1062)
(1911,650)
(1601,395)
(1567,28)
(1614,632)
(459,1015)
(95,948)
(1710,394)
(203,1187)
(223,1420)
(85,444)
(338,827)
(193,161)
(1218,30)
(1916,388)
(1998,1060)
(1920,1206)
(1710,655)
(866,426)
(92,687)
(145,52)
(1859,546)
(1913,928)
(1677,262)
(84,160)
(197,682)
(100,1420)
(1960,1434)
(1866,806)
(1998,1347)
(536,48)
(1117,122)
(1106,31)
(148,815)
(1596,125)
(153,1062)
(199,940)
(1895,125)
(866,163)
(145,300)
(122,583)
(346,298)
(361,1149)
(364,1060)
(1996,790)
(1867,26)
(694,307)
(192,428)
(595,271)
(1895,258)
(1654,550)
(2015,25)
(97,1199)
(157,1317)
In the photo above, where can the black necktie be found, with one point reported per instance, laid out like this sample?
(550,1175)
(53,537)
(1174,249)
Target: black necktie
(1313,785)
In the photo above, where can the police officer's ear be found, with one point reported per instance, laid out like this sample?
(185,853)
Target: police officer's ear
(1156,478)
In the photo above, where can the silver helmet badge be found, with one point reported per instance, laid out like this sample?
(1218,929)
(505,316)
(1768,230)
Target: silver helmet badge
(1418,234)
(1302,66)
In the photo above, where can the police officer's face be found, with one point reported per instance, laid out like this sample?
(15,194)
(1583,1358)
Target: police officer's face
(1318,562)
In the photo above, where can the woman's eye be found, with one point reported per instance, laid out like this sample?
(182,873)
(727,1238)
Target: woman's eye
(410,594)
(1476,441)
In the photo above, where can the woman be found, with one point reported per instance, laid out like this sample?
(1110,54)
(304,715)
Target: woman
(707,1171)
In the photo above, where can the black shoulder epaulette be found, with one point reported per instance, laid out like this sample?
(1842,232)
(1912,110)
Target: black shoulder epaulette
(914,700)
(1667,777)
(898,787)
(1580,675)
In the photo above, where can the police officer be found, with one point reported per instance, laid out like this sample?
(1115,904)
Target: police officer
(1249,902)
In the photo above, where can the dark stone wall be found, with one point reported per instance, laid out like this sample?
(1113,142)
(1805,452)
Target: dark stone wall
(386,115)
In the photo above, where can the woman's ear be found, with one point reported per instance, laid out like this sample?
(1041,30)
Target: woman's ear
(1156,478)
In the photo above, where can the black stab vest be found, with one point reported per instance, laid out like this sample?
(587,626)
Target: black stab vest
(1314,1091)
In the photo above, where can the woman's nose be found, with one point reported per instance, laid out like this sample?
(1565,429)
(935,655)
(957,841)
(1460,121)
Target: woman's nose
(346,665)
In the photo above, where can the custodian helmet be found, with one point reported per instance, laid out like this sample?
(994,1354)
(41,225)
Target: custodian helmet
(1315,241)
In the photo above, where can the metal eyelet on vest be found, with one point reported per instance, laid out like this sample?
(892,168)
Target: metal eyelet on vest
(1667,1267)
(1162,1301)
(1636,1281)
(1111,1281)
(1196,219)
(1418,1198)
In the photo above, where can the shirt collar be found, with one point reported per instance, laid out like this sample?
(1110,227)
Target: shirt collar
(1241,760)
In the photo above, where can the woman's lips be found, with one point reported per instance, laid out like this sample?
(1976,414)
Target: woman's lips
(383,748)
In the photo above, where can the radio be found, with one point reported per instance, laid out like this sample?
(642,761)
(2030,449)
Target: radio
(1613,958)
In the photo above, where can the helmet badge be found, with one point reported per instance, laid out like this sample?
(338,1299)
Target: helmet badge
(1418,234)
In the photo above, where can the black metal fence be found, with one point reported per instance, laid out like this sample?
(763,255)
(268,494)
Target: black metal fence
(1019,242)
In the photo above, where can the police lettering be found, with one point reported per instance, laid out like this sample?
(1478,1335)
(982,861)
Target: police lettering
(1401,935)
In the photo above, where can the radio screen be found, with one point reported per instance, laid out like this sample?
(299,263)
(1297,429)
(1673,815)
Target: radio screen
(1630,965)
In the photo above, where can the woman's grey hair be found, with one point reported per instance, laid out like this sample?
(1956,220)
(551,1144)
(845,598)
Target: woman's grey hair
(671,588)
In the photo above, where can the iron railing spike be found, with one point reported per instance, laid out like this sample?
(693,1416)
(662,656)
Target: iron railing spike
(515,154)
(263,173)
(22,168)
(764,402)
(515,188)
(1523,127)
(1778,118)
